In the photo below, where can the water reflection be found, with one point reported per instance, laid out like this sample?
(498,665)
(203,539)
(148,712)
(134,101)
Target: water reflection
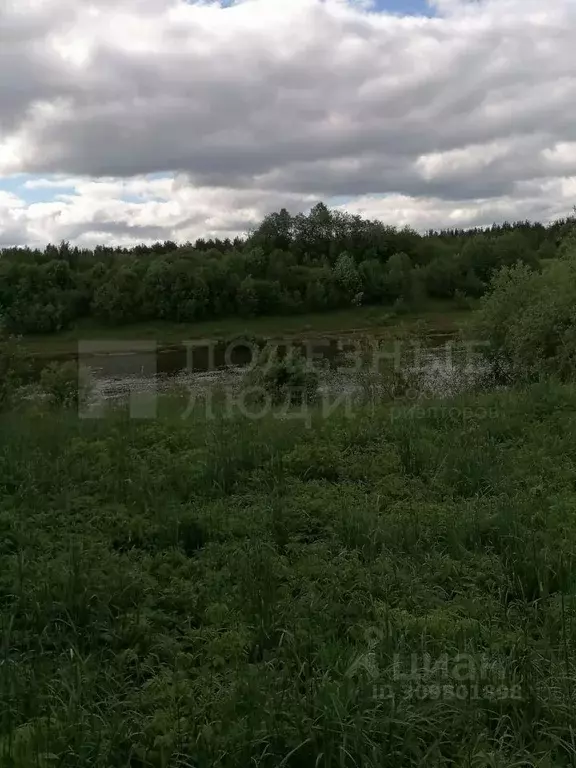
(434,364)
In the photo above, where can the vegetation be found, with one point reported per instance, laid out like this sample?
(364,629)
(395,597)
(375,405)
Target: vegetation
(528,321)
(14,369)
(300,589)
(437,316)
(252,592)
(61,383)
(290,379)
(289,265)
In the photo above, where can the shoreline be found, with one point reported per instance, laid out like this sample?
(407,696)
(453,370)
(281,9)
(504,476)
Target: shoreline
(440,319)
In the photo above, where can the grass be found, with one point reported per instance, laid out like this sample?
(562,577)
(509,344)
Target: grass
(393,590)
(440,316)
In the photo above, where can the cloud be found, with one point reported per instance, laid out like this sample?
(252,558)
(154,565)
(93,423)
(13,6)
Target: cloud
(125,211)
(545,201)
(452,116)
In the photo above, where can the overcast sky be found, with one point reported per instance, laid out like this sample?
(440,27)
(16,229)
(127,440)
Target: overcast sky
(134,120)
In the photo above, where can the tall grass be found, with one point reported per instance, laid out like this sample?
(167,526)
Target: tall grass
(233,593)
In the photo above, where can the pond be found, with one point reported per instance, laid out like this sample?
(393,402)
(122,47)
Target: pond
(435,363)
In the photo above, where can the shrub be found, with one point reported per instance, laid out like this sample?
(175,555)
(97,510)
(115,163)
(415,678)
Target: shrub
(287,380)
(63,384)
(14,368)
(528,321)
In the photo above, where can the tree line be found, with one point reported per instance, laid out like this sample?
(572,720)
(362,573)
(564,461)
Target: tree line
(321,261)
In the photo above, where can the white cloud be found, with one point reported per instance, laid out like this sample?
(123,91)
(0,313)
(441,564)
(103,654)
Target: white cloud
(125,211)
(283,100)
(545,201)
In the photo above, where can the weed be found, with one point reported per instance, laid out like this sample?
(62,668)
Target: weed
(392,591)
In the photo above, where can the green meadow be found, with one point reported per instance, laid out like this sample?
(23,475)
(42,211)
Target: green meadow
(392,589)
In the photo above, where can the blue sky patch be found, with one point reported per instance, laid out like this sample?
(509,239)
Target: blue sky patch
(337,200)
(16,185)
(402,7)
(405,7)
(19,185)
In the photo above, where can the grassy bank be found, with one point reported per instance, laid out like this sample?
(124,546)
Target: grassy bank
(395,590)
(439,316)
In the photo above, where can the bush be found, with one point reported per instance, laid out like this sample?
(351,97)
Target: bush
(61,382)
(14,368)
(528,321)
(287,380)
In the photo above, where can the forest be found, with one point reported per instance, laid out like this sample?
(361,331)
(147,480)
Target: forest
(320,261)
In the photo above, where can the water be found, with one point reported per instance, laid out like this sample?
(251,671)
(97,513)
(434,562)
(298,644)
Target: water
(433,365)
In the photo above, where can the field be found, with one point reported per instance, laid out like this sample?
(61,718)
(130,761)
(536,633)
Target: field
(392,590)
(439,316)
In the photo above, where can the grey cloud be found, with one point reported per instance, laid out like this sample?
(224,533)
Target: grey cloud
(294,97)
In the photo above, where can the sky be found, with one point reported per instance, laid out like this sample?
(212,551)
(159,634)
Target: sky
(126,121)
(405,7)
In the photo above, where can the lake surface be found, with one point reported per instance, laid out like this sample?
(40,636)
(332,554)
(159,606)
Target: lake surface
(434,363)
(108,359)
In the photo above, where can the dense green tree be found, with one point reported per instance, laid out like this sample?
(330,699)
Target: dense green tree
(247,298)
(317,261)
(397,275)
(347,276)
(118,300)
(274,233)
(372,274)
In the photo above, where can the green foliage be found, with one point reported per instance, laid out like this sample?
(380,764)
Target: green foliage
(63,385)
(442,276)
(14,368)
(529,321)
(397,277)
(37,297)
(347,275)
(284,379)
(321,261)
(233,593)
(115,301)
(247,298)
